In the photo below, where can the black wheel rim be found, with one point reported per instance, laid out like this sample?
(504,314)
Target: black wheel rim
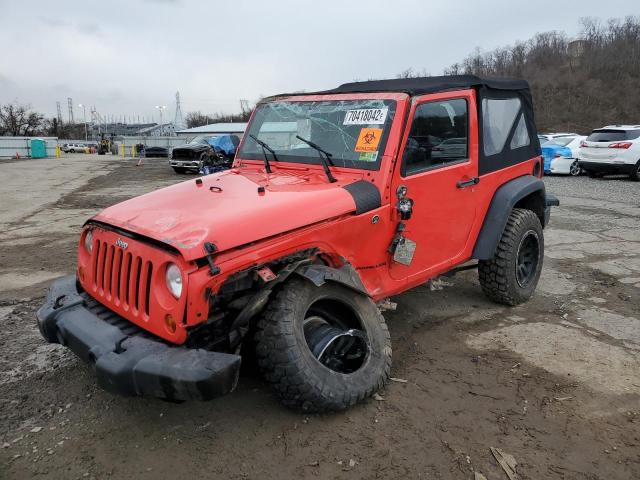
(527,258)
(337,347)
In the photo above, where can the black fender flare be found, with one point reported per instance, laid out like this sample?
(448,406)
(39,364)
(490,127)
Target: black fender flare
(504,200)
(345,275)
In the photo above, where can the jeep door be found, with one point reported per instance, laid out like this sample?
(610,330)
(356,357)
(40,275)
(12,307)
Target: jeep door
(438,165)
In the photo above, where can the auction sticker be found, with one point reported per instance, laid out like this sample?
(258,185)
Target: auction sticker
(368,156)
(366,116)
(368,140)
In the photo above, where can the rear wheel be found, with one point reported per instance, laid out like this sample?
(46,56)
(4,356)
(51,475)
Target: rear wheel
(635,174)
(574,169)
(322,348)
(512,275)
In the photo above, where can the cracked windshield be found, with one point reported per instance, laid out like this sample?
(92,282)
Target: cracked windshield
(353,132)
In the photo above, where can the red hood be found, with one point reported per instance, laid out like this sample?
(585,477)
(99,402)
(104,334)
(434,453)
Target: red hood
(186,215)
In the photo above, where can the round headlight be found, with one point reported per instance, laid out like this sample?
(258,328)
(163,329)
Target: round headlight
(88,241)
(174,280)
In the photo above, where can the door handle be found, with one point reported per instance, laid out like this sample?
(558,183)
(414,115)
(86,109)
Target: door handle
(468,183)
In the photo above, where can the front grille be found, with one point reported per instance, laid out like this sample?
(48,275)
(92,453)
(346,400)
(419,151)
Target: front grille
(122,278)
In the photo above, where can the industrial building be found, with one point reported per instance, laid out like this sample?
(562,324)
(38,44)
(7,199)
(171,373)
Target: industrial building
(213,129)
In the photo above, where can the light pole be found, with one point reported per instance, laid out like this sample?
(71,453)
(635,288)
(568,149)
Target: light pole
(84,114)
(161,108)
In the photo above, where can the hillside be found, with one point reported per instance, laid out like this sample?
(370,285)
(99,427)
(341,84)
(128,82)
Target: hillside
(578,84)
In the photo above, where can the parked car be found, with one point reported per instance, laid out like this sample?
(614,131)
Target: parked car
(74,147)
(156,152)
(614,149)
(546,137)
(563,162)
(219,149)
(291,252)
(551,151)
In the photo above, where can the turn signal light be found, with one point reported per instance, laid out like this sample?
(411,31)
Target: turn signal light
(624,145)
(170,323)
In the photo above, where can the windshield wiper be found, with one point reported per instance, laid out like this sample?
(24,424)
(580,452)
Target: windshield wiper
(265,147)
(325,161)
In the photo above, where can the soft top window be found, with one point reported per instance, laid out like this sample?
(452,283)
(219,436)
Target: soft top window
(354,132)
(499,115)
(610,135)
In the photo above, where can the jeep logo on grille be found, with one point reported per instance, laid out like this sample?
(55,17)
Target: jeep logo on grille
(121,243)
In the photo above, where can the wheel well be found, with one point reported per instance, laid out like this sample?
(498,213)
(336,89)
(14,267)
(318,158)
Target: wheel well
(535,202)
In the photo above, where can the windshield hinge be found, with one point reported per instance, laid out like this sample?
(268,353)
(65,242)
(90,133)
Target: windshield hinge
(210,248)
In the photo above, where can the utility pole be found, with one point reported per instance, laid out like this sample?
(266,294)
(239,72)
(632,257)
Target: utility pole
(70,105)
(178,122)
(161,108)
(244,107)
(59,113)
(84,115)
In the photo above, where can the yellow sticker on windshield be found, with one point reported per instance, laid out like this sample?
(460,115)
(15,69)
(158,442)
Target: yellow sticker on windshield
(368,140)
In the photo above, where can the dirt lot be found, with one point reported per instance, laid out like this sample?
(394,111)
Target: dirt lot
(555,382)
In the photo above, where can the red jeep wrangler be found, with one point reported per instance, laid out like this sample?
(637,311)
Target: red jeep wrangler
(336,200)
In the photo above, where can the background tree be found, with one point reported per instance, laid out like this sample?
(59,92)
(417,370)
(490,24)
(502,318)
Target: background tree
(19,120)
(578,84)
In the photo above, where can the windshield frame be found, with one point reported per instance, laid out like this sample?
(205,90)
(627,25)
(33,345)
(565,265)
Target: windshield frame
(385,149)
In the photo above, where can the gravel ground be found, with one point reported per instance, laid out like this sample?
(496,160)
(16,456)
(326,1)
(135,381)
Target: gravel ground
(554,382)
(608,189)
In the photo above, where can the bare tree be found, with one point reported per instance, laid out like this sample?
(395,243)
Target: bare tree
(19,120)
(577,84)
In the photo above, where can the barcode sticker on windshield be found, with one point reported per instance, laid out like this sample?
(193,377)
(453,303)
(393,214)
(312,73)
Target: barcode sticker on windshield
(366,116)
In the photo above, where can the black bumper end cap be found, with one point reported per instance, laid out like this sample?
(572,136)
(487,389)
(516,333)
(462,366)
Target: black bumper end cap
(552,201)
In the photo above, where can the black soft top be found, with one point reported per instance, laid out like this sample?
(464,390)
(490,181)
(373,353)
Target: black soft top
(424,85)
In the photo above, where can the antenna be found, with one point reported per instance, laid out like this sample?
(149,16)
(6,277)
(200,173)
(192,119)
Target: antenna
(70,105)
(178,122)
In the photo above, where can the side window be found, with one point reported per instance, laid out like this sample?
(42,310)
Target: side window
(498,116)
(438,135)
(521,135)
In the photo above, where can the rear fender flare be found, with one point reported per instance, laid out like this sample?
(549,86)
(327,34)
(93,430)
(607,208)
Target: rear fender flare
(523,192)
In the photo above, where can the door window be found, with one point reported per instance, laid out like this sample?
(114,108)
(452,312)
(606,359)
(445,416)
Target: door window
(438,136)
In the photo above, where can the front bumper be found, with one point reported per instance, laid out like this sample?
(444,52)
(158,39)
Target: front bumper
(184,163)
(127,360)
(611,168)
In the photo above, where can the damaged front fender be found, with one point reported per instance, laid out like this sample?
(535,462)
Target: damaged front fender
(345,275)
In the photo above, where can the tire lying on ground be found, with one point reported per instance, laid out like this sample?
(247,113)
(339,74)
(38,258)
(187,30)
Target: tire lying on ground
(322,348)
(511,276)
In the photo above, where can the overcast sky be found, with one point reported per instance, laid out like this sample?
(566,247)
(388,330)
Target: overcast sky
(125,57)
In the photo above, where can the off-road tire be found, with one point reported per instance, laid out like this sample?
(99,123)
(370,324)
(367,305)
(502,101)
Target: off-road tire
(299,380)
(498,275)
(179,170)
(635,174)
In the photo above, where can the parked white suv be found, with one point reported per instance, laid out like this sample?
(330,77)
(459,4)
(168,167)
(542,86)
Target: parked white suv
(74,147)
(612,149)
